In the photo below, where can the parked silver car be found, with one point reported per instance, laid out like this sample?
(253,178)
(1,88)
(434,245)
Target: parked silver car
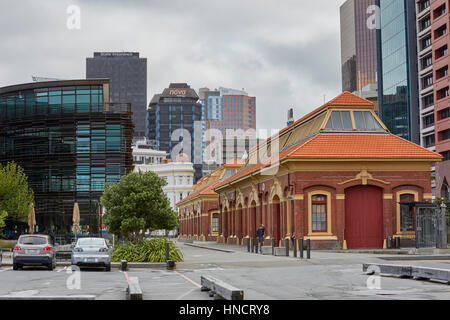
(32,250)
(92,252)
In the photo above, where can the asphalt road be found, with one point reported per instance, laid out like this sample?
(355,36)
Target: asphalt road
(326,275)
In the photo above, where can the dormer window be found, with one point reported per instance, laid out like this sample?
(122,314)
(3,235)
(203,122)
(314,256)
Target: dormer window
(340,120)
(363,121)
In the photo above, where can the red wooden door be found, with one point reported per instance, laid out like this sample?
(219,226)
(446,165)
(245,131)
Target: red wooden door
(364,217)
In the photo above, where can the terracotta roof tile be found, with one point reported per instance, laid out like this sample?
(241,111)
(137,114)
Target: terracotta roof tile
(349,99)
(362,146)
(346,146)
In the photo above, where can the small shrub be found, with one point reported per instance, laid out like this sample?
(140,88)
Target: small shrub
(153,250)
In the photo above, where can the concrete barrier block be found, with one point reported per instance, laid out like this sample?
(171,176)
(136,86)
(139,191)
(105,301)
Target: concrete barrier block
(430,273)
(220,288)
(280,251)
(266,250)
(399,270)
(134,291)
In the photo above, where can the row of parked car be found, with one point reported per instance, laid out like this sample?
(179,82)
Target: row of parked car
(38,250)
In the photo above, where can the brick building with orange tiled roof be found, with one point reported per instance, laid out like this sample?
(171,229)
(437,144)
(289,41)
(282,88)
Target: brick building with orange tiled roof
(335,176)
(198,213)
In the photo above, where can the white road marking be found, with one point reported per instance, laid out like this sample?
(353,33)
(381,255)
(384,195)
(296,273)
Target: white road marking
(185,294)
(59,270)
(5,269)
(25,293)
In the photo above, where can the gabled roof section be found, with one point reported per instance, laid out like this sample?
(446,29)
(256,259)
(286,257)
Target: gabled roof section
(310,124)
(208,182)
(362,146)
(349,99)
(307,138)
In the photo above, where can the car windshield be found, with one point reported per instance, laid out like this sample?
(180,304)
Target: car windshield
(32,240)
(91,242)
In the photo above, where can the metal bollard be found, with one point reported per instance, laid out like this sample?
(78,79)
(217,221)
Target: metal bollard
(308,248)
(273,246)
(170,264)
(256,245)
(389,242)
(286,244)
(397,242)
(252,244)
(301,247)
(248,245)
(167,250)
(295,247)
(123,265)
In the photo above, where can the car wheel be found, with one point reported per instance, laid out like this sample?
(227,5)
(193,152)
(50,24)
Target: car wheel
(50,267)
(15,266)
(108,267)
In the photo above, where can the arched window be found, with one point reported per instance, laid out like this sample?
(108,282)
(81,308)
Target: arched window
(407,213)
(319,213)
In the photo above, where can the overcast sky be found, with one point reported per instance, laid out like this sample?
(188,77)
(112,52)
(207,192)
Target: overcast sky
(284,52)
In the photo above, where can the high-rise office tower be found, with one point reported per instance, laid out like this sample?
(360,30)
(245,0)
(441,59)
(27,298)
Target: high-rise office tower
(227,108)
(358,46)
(128,79)
(397,68)
(432,22)
(174,124)
(233,113)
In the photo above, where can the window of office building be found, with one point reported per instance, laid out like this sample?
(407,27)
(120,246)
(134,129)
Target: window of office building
(442,51)
(427,81)
(440,31)
(428,121)
(428,101)
(429,141)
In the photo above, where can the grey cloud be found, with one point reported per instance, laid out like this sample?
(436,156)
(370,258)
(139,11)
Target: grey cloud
(286,53)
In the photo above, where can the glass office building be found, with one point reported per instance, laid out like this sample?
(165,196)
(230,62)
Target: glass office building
(70,140)
(174,124)
(358,46)
(397,83)
(127,73)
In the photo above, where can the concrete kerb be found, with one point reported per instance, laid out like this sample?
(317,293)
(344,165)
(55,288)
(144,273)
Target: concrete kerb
(210,248)
(115,265)
(416,257)
(74,297)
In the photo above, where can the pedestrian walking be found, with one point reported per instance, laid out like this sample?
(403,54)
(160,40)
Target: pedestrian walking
(260,235)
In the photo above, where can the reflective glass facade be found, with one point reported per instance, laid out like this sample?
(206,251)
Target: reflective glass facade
(70,143)
(127,73)
(171,121)
(398,82)
(358,46)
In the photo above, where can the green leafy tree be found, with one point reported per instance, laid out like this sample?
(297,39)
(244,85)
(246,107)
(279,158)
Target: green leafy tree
(15,194)
(3,215)
(135,204)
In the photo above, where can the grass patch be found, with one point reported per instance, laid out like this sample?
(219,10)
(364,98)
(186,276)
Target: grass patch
(153,250)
